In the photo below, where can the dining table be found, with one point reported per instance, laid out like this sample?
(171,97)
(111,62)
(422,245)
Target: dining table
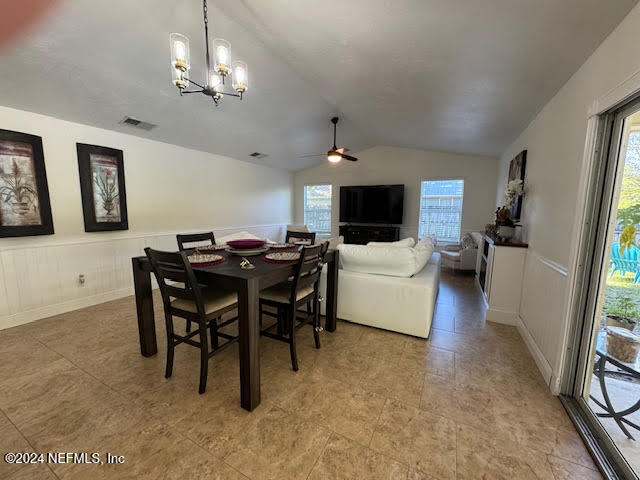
(247,283)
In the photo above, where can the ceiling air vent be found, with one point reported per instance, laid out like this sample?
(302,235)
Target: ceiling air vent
(258,155)
(135,123)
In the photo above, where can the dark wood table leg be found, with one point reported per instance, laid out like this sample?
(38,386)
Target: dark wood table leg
(332,293)
(144,306)
(249,331)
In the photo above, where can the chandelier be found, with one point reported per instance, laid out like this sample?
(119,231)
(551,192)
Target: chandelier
(223,68)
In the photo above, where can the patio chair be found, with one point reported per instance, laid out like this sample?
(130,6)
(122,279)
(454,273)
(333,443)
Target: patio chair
(628,262)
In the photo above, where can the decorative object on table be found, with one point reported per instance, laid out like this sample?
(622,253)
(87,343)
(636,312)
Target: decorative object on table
(25,208)
(222,69)
(506,219)
(505,227)
(335,154)
(204,260)
(246,244)
(246,264)
(622,344)
(515,186)
(282,257)
(102,186)
(622,313)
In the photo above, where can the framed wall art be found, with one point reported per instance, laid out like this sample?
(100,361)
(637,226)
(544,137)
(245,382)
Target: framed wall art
(517,168)
(104,199)
(25,208)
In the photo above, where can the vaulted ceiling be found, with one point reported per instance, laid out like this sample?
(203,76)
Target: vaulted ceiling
(463,76)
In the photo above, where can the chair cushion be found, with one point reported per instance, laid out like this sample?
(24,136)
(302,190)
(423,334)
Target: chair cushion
(281,293)
(213,300)
(453,255)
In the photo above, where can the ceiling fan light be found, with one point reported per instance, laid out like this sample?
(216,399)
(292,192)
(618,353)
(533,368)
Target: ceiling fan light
(334,157)
(240,76)
(221,56)
(180,58)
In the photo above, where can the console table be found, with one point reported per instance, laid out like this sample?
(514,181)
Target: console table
(499,273)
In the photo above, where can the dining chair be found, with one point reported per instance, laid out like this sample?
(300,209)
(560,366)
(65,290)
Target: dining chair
(185,238)
(188,238)
(187,299)
(286,297)
(307,237)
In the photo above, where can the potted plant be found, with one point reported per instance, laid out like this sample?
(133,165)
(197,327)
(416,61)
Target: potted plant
(623,313)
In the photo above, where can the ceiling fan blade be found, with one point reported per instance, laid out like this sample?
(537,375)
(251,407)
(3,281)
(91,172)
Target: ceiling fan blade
(309,156)
(342,150)
(349,157)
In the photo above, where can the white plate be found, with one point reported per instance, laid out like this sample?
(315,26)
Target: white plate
(244,253)
(283,256)
(204,258)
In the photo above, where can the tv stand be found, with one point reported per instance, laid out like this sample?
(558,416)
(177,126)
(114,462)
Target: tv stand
(363,234)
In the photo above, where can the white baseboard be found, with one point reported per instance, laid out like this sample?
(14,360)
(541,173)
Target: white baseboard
(501,316)
(21,318)
(541,361)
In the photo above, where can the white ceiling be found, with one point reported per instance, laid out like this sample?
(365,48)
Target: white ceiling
(452,75)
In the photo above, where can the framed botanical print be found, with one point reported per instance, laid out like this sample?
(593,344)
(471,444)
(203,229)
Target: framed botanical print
(25,208)
(517,168)
(104,199)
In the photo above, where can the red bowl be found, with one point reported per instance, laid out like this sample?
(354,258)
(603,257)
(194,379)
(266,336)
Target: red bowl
(246,244)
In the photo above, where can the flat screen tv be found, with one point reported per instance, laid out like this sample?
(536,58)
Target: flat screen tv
(372,204)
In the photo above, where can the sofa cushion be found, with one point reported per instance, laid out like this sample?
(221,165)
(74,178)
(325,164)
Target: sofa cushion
(405,242)
(392,261)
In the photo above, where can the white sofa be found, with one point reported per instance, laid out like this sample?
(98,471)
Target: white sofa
(403,304)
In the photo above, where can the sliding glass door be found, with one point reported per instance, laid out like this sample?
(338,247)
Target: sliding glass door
(603,389)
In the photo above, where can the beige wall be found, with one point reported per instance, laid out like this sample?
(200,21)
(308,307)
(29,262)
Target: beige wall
(555,141)
(169,189)
(392,165)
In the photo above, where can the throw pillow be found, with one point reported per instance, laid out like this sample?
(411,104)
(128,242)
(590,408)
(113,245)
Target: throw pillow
(467,242)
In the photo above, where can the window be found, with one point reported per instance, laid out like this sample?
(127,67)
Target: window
(317,208)
(441,210)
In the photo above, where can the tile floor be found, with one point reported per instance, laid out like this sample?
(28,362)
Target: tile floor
(468,403)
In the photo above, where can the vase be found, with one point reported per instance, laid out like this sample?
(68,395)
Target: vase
(108,206)
(506,233)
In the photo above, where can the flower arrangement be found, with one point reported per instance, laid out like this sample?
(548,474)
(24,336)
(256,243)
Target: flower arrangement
(514,189)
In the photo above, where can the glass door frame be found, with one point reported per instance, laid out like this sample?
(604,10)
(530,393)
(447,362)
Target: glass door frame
(606,170)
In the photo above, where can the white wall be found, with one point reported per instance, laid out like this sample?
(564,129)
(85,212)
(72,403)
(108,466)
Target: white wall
(555,141)
(392,165)
(169,189)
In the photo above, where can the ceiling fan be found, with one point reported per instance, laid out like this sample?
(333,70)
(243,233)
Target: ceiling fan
(335,154)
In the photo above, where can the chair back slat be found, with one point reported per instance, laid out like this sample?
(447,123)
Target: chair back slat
(188,238)
(308,269)
(175,267)
(308,237)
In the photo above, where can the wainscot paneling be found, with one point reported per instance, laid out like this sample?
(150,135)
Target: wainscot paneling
(542,310)
(43,280)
